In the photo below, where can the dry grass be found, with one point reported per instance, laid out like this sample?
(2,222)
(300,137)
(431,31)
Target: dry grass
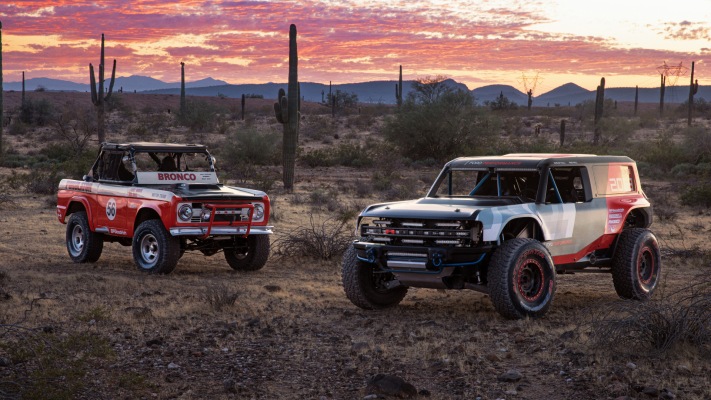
(288,331)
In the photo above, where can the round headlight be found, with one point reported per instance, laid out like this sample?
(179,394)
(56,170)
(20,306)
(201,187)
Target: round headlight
(258,212)
(185,212)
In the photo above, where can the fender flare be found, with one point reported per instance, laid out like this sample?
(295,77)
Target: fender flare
(87,208)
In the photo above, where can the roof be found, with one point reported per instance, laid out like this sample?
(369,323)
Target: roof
(533,160)
(155,147)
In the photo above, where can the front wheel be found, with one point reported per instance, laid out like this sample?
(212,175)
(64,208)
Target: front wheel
(83,245)
(521,279)
(367,288)
(636,266)
(254,259)
(154,249)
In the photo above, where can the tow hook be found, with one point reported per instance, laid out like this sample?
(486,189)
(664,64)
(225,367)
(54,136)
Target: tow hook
(437,259)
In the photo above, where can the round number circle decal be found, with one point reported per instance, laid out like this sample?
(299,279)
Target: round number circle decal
(111,209)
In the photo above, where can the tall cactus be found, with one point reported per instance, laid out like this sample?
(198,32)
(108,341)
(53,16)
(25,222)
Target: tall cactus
(97,96)
(662,89)
(2,117)
(287,113)
(636,99)
(530,98)
(182,89)
(599,106)
(693,89)
(398,89)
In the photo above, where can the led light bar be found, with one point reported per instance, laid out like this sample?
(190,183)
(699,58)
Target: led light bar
(403,254)
(413,241)
(413,224)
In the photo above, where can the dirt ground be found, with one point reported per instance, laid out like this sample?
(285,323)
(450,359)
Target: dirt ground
(109,331)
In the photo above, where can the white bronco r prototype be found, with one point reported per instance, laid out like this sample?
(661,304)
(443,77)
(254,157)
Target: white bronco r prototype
(506,226)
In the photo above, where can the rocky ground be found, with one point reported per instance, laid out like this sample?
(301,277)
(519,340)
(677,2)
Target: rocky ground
(107,330)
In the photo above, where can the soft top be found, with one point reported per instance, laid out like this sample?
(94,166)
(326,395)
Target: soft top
(155,147)
(533,160)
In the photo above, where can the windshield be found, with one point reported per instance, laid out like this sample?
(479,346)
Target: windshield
(467,182)
(172,162)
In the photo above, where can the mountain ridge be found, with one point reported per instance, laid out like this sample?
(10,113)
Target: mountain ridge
(382,91)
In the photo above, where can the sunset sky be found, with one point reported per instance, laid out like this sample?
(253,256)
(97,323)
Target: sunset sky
(476,42)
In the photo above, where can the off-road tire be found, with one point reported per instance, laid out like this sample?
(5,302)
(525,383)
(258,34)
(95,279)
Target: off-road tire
(636,266)
(361,284)
(255,258)
(521,279)
(154,249)
(83,245)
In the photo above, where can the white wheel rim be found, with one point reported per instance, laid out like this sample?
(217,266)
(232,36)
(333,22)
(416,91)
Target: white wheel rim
(77,240)
(149,250)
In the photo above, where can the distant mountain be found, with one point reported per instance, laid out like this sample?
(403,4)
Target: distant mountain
(491,92)
(368,92)
(47,84)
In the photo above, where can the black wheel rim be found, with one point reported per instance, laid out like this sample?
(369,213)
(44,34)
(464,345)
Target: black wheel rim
(530,280)
(646,266)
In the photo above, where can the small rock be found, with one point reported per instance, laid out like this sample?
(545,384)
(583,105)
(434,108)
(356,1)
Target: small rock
(684,369)
(173,366)
(154,342)
(4,362)
(511,392)
(357,347)
(390,386)
(567,335)
(370,397)
(173,377)
(229,385)
(631,365)
(493,357)
(650,391)
(667,394)
(510,376)
(424,393)
(272,288)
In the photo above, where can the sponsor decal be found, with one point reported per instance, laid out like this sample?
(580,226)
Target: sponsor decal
(115,231)
(111,209)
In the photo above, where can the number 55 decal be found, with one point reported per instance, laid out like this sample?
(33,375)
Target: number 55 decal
(111,209)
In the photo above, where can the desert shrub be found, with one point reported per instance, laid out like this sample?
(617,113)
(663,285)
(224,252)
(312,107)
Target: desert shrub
(697,143)
(324,240)
(318,158)
(445,127)
(250,146)
(346,154)
(199,115)
(220,297)
(661,154)
(48,365)
(318,127)
(656,326)
(42,182)
(17,128)
(697,195)
(617,130)
(683,169)
(36,112)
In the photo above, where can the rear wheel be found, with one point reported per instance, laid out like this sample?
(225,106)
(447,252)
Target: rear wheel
(367,288)
(154,249)
(521,279)
(254,259)
(83,245)
(636,266)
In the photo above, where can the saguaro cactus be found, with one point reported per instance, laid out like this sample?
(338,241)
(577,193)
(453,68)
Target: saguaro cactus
(530,98)
(97,96)
(182,89)
(636,99)
(599,105)
(693,89)
(662,89)
(2,117)
(286,110)
(398,89)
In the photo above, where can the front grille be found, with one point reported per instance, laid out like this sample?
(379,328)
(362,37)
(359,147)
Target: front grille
(221,214)
(400,232)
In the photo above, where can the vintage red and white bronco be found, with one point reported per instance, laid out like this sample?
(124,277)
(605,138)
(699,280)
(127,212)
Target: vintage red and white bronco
(163,200)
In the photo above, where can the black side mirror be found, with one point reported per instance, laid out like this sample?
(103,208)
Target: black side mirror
(88,178)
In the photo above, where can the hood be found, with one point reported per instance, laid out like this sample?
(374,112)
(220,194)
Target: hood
(214,192)
(437,208)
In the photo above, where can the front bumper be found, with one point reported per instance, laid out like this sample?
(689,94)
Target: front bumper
(221,230)
(420,259)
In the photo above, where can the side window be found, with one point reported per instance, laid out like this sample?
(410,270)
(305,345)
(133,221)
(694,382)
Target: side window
(568,185)
(614,179)
(112,167)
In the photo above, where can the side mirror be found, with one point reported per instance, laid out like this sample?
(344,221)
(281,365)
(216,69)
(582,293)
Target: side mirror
(88,178)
